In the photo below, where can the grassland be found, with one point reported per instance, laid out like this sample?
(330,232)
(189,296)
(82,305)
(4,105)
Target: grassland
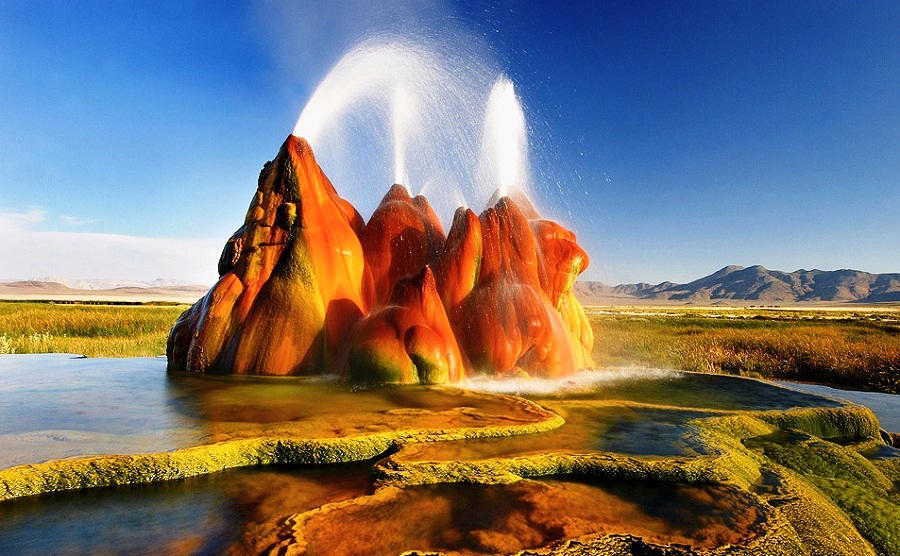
(92,330)
(849,348)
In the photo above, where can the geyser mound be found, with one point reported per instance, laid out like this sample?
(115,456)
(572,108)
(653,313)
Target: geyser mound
(292,279)
(306,287)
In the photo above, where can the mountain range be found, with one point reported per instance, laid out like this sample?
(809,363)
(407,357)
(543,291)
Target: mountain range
(111,284)
(732,284)
(754,284)
(119,291)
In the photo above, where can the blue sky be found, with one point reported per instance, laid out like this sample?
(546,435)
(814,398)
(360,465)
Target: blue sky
(685,135)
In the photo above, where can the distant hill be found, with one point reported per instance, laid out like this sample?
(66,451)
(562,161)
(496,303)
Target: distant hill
(109,284)
(102,290)
(755,284)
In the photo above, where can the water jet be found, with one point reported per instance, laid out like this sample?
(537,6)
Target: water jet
(504,145)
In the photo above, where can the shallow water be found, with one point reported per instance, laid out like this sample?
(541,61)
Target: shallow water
(60,406)
(57,406)
(481,519)
(200,515)
(885,406)
(620,429)
(668,388)
(246,509)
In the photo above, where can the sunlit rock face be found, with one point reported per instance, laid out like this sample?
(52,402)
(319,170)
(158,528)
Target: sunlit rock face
(562,260)
(503,286)
(306,287)
(407,340)
(293,279)
(402,235)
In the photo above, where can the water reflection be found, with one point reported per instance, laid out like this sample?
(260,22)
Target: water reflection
(252,510)
(57,406)
(681,389)
(201,515)
(617,428)
(481,519)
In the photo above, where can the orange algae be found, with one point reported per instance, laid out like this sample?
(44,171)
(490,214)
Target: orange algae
(503,519)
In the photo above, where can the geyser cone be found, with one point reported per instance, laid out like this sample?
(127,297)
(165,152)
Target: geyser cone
(519,197)
(293,279)
(403,235)
(306,286)
(407,340)
(492,275)
(562,260)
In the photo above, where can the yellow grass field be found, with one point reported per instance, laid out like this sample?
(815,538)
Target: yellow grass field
(91,330)
(856,348)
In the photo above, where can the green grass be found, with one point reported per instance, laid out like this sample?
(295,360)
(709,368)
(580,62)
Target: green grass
(92,330)
(851,349)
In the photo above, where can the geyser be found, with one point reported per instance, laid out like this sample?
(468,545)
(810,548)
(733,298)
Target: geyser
(307,287)
(417,113)
(293,279)
(504,145)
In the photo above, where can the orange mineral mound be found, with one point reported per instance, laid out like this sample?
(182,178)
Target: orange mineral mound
(408,340)
(403,235)
(307,287)
(293,279)
(497,278)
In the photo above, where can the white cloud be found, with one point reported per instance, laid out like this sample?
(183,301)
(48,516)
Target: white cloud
(11,220)
(75,220)
(29,249)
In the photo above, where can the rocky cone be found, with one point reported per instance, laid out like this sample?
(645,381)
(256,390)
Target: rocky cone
(307,287)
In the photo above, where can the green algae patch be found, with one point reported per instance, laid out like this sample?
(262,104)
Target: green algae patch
(813,457)
(846,422)
(819,525)
(875,514)
(836,494)
(100,471)
(853,421)
(850,481)
(396,470)
(891,469)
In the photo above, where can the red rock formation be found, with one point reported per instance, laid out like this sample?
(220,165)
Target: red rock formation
(299,278)
(293,279)
(401,237)
(562,260)
(408,340)
(489,275)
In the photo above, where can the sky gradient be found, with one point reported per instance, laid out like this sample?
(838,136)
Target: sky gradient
(686,136)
